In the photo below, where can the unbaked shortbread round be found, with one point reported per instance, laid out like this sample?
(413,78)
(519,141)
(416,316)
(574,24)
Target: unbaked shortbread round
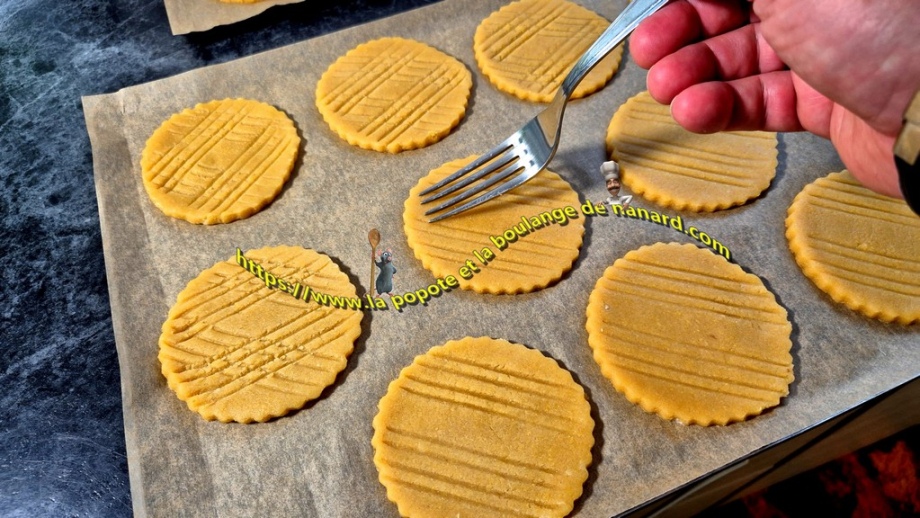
(393,94)
(528,47)
(235,350)
(687,171)
(220,161)
(486,428)
(687,335)
(541,253)
(859,247)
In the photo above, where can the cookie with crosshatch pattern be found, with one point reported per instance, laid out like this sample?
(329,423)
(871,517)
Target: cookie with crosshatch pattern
(526,48)
(687,335)
(220,161)
(393,94)
(483,427)
(235,350)
(859,247)
(687,171)
(546,240)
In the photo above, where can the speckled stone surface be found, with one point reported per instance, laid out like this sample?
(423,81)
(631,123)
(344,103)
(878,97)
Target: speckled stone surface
(62,447)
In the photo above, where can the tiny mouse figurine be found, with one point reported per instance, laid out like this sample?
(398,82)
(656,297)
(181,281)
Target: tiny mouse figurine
(384,283)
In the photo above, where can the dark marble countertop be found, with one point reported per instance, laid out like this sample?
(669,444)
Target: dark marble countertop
(62,446)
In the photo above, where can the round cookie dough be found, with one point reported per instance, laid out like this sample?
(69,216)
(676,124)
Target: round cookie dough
(220,161)
(483,427)
(235,350)
(393,94)
(528,47)
(542,250)
(687,335)
(859,247)
(687,171)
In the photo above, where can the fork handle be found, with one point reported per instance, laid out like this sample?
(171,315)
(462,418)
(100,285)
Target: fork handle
(625,23)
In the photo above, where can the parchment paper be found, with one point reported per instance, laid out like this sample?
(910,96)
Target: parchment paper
(318,461)
(187,16)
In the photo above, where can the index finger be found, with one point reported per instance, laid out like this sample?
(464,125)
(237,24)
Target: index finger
(682,22)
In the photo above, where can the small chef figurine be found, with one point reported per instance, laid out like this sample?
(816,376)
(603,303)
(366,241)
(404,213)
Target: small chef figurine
(611,172)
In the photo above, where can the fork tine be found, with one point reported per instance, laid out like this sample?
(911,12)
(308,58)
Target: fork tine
(497,150)
(504,173)
(498,164)
(505,187)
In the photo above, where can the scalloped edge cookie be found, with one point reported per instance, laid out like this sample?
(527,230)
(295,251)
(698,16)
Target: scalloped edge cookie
(483,427)
(228,336)
(394,94)
(871,264)
(220,161)
(536,259)
(671,325)
(511,27)
(675,168)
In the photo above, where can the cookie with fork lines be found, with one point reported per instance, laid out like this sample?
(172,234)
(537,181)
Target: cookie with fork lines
(686,171)
(393,94)
(859,247)
(483,427)
(526,48)
(534,241)
(235,350)
(687,335)
(220,161)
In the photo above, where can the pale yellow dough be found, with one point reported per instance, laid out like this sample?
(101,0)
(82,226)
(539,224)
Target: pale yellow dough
(528,47)
(687,335)
(486,428)
(393,94)
(220,161)
(235,350)
(539,257)
(686,171)
(859,247)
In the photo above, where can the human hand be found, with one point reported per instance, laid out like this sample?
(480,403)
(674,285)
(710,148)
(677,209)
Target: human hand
(842,69)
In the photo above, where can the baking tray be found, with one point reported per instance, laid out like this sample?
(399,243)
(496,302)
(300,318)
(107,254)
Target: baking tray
(318,461)
(187,16)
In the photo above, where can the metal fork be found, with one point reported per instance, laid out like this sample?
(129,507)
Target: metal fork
(529,150)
